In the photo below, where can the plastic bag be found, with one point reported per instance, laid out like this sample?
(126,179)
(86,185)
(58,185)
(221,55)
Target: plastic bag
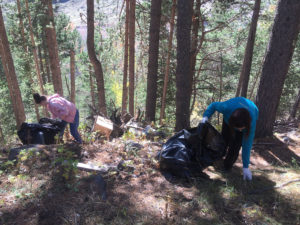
(40,133)
(188,152)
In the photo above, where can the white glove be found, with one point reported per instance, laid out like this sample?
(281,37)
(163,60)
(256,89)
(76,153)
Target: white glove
(247,174)
(204,119)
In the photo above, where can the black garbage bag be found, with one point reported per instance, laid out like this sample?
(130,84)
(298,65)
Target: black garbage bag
(40,133)
(188,152)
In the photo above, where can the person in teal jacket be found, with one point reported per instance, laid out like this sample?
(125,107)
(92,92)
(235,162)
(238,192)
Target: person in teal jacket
(238,129)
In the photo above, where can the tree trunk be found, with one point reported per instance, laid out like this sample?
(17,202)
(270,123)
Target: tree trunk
(21,26)
(295,107)
(25,47)
(131,37)
(72,73)
(44,78)
(167,68)
(9,70)
(279,54)
(34,51)
(246,68)
(183,72)
(92,87)
(125,71)
(53,48)
(93,58)
(1,135)
(194,41)
(153,59)
(47,64)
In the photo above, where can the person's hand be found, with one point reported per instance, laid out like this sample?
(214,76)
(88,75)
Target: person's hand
(247,174)
(204,120)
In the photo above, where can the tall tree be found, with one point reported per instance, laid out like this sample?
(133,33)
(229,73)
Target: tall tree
(246,67)
(295,107)
(72,74)
(131,37)
(167,68)
(10,73)
(35,57)
(92,87)
(125,68)
(52,47)
(194,40)
(25,47)
(183,72)
(279,54)
(93,58)
(153,59)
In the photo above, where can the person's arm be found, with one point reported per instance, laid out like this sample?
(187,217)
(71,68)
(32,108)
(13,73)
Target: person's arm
(211,109)
(247,145)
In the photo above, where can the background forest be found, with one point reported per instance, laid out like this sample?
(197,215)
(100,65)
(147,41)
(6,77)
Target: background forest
(158,64)
(222,31)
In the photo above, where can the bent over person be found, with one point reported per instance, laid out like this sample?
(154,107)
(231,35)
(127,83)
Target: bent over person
(238,129)
(63,109)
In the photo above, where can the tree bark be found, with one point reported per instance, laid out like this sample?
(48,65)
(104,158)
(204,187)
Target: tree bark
(279,54)
(72,73)
(246,68)
(93,58)
(125,70)
(34,51)
(295,107)
(155,16)
(53,48)
(9,70)
(167,68)
(183,72)
(131,55)
(92,87)
(194,41)
(25,47)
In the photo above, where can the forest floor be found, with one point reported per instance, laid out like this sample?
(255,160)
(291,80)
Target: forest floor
(46,188)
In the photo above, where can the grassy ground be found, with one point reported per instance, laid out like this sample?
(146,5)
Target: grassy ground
(45,188)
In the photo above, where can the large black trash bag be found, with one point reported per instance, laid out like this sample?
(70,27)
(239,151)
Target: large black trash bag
(188,152)
(40,133)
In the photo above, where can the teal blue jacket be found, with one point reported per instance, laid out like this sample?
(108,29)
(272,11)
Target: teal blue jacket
(227,108)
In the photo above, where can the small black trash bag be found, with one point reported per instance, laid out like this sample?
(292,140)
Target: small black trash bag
(40,133)
(188,152)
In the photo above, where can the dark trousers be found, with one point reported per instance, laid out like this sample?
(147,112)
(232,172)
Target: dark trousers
(233,141)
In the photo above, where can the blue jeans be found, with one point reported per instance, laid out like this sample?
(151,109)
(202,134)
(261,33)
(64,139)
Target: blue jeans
(73,128)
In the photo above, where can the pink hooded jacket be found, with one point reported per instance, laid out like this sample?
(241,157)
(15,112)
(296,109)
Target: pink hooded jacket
(61,108)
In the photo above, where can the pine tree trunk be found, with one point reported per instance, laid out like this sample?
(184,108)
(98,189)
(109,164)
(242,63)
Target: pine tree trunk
(47,64)
(131,55)
(9,70)
(194,41)
(92,56)
(21,26)
(167,68)
(1,135)
(246,67)
(53,48)
(153,59)
(92,87)
(72,73)
(295,107)
(280,51)
(125,71)
(25,47)
(183,72)
(44,78)
(34,51)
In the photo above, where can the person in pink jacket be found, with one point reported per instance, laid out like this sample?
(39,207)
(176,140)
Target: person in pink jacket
(63,109)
